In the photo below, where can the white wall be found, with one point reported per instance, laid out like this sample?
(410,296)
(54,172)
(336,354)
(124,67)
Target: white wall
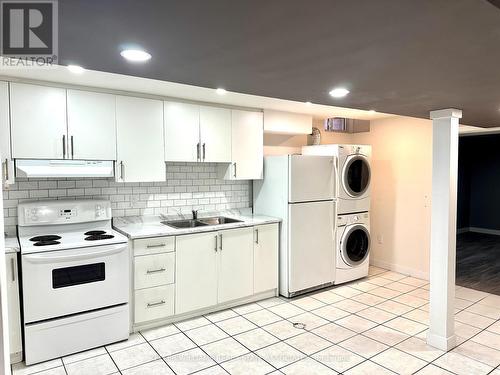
(401,191)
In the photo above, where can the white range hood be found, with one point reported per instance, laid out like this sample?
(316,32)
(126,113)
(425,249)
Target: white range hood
(63,168)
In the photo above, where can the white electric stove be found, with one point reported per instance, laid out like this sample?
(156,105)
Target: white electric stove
(75,272)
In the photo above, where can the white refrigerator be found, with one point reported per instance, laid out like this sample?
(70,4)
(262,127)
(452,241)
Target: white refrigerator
(301,191)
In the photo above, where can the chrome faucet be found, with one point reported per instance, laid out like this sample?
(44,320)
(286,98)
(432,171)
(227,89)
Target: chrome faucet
(195,214)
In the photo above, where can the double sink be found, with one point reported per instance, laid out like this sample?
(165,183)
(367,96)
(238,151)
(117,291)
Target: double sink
(193,223)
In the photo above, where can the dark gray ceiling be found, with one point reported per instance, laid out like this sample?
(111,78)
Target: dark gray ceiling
(398,56)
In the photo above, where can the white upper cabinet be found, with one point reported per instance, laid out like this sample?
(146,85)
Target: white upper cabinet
(279,122)
(91,125)
(5,151)
(182,132)
(139,131)
(215,134)
(38,121)
(247,146)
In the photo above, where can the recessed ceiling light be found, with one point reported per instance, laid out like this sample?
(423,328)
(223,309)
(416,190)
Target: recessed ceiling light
(221,91)
(77,69)
(339,92)
(135,55)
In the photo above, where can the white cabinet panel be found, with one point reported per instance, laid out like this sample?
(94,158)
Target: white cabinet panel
(278,122)
(154,270)
(91,125)
(247,145)
(215,134)
(38,121)
(5,152)
(182,132)
(13,304)
(266,242)
(196,272)
(153,303)
(236,264)
(139,130)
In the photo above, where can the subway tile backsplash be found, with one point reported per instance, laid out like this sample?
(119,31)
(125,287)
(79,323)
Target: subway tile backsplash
(188,186)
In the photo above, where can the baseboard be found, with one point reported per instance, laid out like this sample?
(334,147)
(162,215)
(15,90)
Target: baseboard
(463,230)
(494,232)
(400,269)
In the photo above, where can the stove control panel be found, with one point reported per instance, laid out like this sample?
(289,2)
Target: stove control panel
(59,212)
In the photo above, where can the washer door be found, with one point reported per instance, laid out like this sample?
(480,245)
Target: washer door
(355,245)
(356,175)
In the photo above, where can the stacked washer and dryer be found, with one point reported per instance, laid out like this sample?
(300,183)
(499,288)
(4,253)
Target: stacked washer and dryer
(353,215)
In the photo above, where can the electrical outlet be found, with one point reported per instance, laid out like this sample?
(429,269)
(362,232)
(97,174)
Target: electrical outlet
(380,239)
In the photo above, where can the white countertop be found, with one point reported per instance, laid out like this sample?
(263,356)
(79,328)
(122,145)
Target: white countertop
(11,245)
(135,227)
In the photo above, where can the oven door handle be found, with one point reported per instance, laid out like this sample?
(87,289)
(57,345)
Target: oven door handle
(74,254)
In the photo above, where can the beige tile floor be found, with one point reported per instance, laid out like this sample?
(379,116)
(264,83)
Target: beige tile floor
(373,326)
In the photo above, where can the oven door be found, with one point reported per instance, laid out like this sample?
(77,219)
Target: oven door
(64,282)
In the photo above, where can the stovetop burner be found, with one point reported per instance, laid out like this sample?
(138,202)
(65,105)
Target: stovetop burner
(50,237)
(99,237)
(94,232)
(46,242)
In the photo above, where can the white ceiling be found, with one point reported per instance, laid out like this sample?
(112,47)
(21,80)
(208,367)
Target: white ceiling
(151,87)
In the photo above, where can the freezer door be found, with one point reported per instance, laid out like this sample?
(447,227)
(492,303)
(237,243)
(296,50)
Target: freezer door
(311,178)
(311,244)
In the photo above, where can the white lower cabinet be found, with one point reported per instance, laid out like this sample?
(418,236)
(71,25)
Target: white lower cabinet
(184,274)
(152,270)
(235,260)
(265,262)
(196,270)
(154,303)
(13,304)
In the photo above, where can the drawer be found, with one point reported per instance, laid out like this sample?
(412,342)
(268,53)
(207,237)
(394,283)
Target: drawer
(154,270)
(155,245)
(154,303)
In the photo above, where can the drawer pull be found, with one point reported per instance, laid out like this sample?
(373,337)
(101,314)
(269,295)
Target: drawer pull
(159,245)
(156,271)
(156,304)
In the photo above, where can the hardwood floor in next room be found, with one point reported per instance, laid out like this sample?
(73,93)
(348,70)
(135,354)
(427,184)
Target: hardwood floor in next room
(478,262)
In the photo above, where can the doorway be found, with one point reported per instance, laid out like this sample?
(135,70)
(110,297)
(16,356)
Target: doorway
(478,213)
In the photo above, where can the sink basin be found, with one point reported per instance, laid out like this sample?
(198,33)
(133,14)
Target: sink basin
(184,223)
(218,220)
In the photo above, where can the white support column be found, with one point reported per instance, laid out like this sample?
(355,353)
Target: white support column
(443,228)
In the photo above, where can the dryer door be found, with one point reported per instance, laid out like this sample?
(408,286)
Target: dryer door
(356,175)
(355,244)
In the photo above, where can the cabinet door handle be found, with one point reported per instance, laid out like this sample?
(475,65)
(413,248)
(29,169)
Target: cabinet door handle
(155,304)
(203,151)
(13,269)
(153,246)
(6,170)
(220,242)
(156,271)
(64,146)
(235,170)
(198,152)
(122,170)
(215,243)
(72,148)
(257,236)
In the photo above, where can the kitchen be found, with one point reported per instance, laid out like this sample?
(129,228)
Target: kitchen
(162,227)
